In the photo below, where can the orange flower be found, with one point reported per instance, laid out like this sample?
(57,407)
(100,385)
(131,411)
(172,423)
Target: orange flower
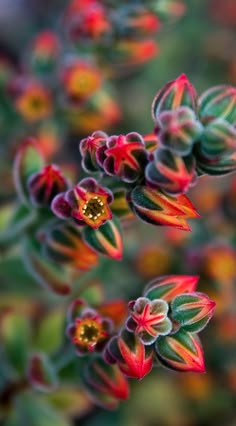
(87,203)
(34,103)
(92,208)
(81,80)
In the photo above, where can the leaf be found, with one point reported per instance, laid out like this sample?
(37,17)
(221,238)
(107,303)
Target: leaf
(132,356)
(22,219)
(218,102)
(106,240)
(168,287)
(181,351)
(105,383)
(34,411)
(49,275)
(193,311)
(49,335)
(155,207)
(41,373)
(16,333)
(28,161)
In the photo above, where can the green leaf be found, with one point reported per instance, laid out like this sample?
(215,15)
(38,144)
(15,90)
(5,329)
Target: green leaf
(49,275)
(106,240)
(36,412)
(50,332)
(16,335)
(41,373)
(21,220)
(28,161)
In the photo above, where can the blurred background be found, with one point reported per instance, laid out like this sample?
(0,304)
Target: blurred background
(201,44)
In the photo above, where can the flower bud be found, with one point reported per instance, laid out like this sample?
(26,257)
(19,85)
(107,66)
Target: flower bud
(44,185)
(174,94)
(124,156)
(148,319)
(88,148)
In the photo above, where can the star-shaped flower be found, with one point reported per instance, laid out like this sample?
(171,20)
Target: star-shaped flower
(148,319)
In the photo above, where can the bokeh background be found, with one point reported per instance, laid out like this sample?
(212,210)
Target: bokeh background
(202,45)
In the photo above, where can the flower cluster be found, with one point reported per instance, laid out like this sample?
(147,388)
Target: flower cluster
(161,326)
(143,176)
(64,78)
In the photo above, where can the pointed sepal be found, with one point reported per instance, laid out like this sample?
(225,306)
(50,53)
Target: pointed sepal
(193,311)
(218,140)
(179,92)
(45,184)
(171,172)
(181,351)
(28,161)
(178,129)
(106,240)
(105,383)
(170,286)
(62,243)
(41,373)
(132,356)
(155,207)
(218,102)
(48,274)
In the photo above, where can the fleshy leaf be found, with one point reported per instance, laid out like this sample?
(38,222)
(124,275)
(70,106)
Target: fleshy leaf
(176,93)
(170,286)
(28,161)
(21,220)
(181,351)
(46,273)
(171,172)
(41,373)
(49,334)
(15,336)
(105,384)
(37,411)
(192,310)
(155,207)
(63,243)
(133,357)
(217,167)
(218,102)
(106,240)
(218,140)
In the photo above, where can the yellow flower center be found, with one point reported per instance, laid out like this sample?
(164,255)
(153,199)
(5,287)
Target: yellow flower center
(88,332)
(93,208)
